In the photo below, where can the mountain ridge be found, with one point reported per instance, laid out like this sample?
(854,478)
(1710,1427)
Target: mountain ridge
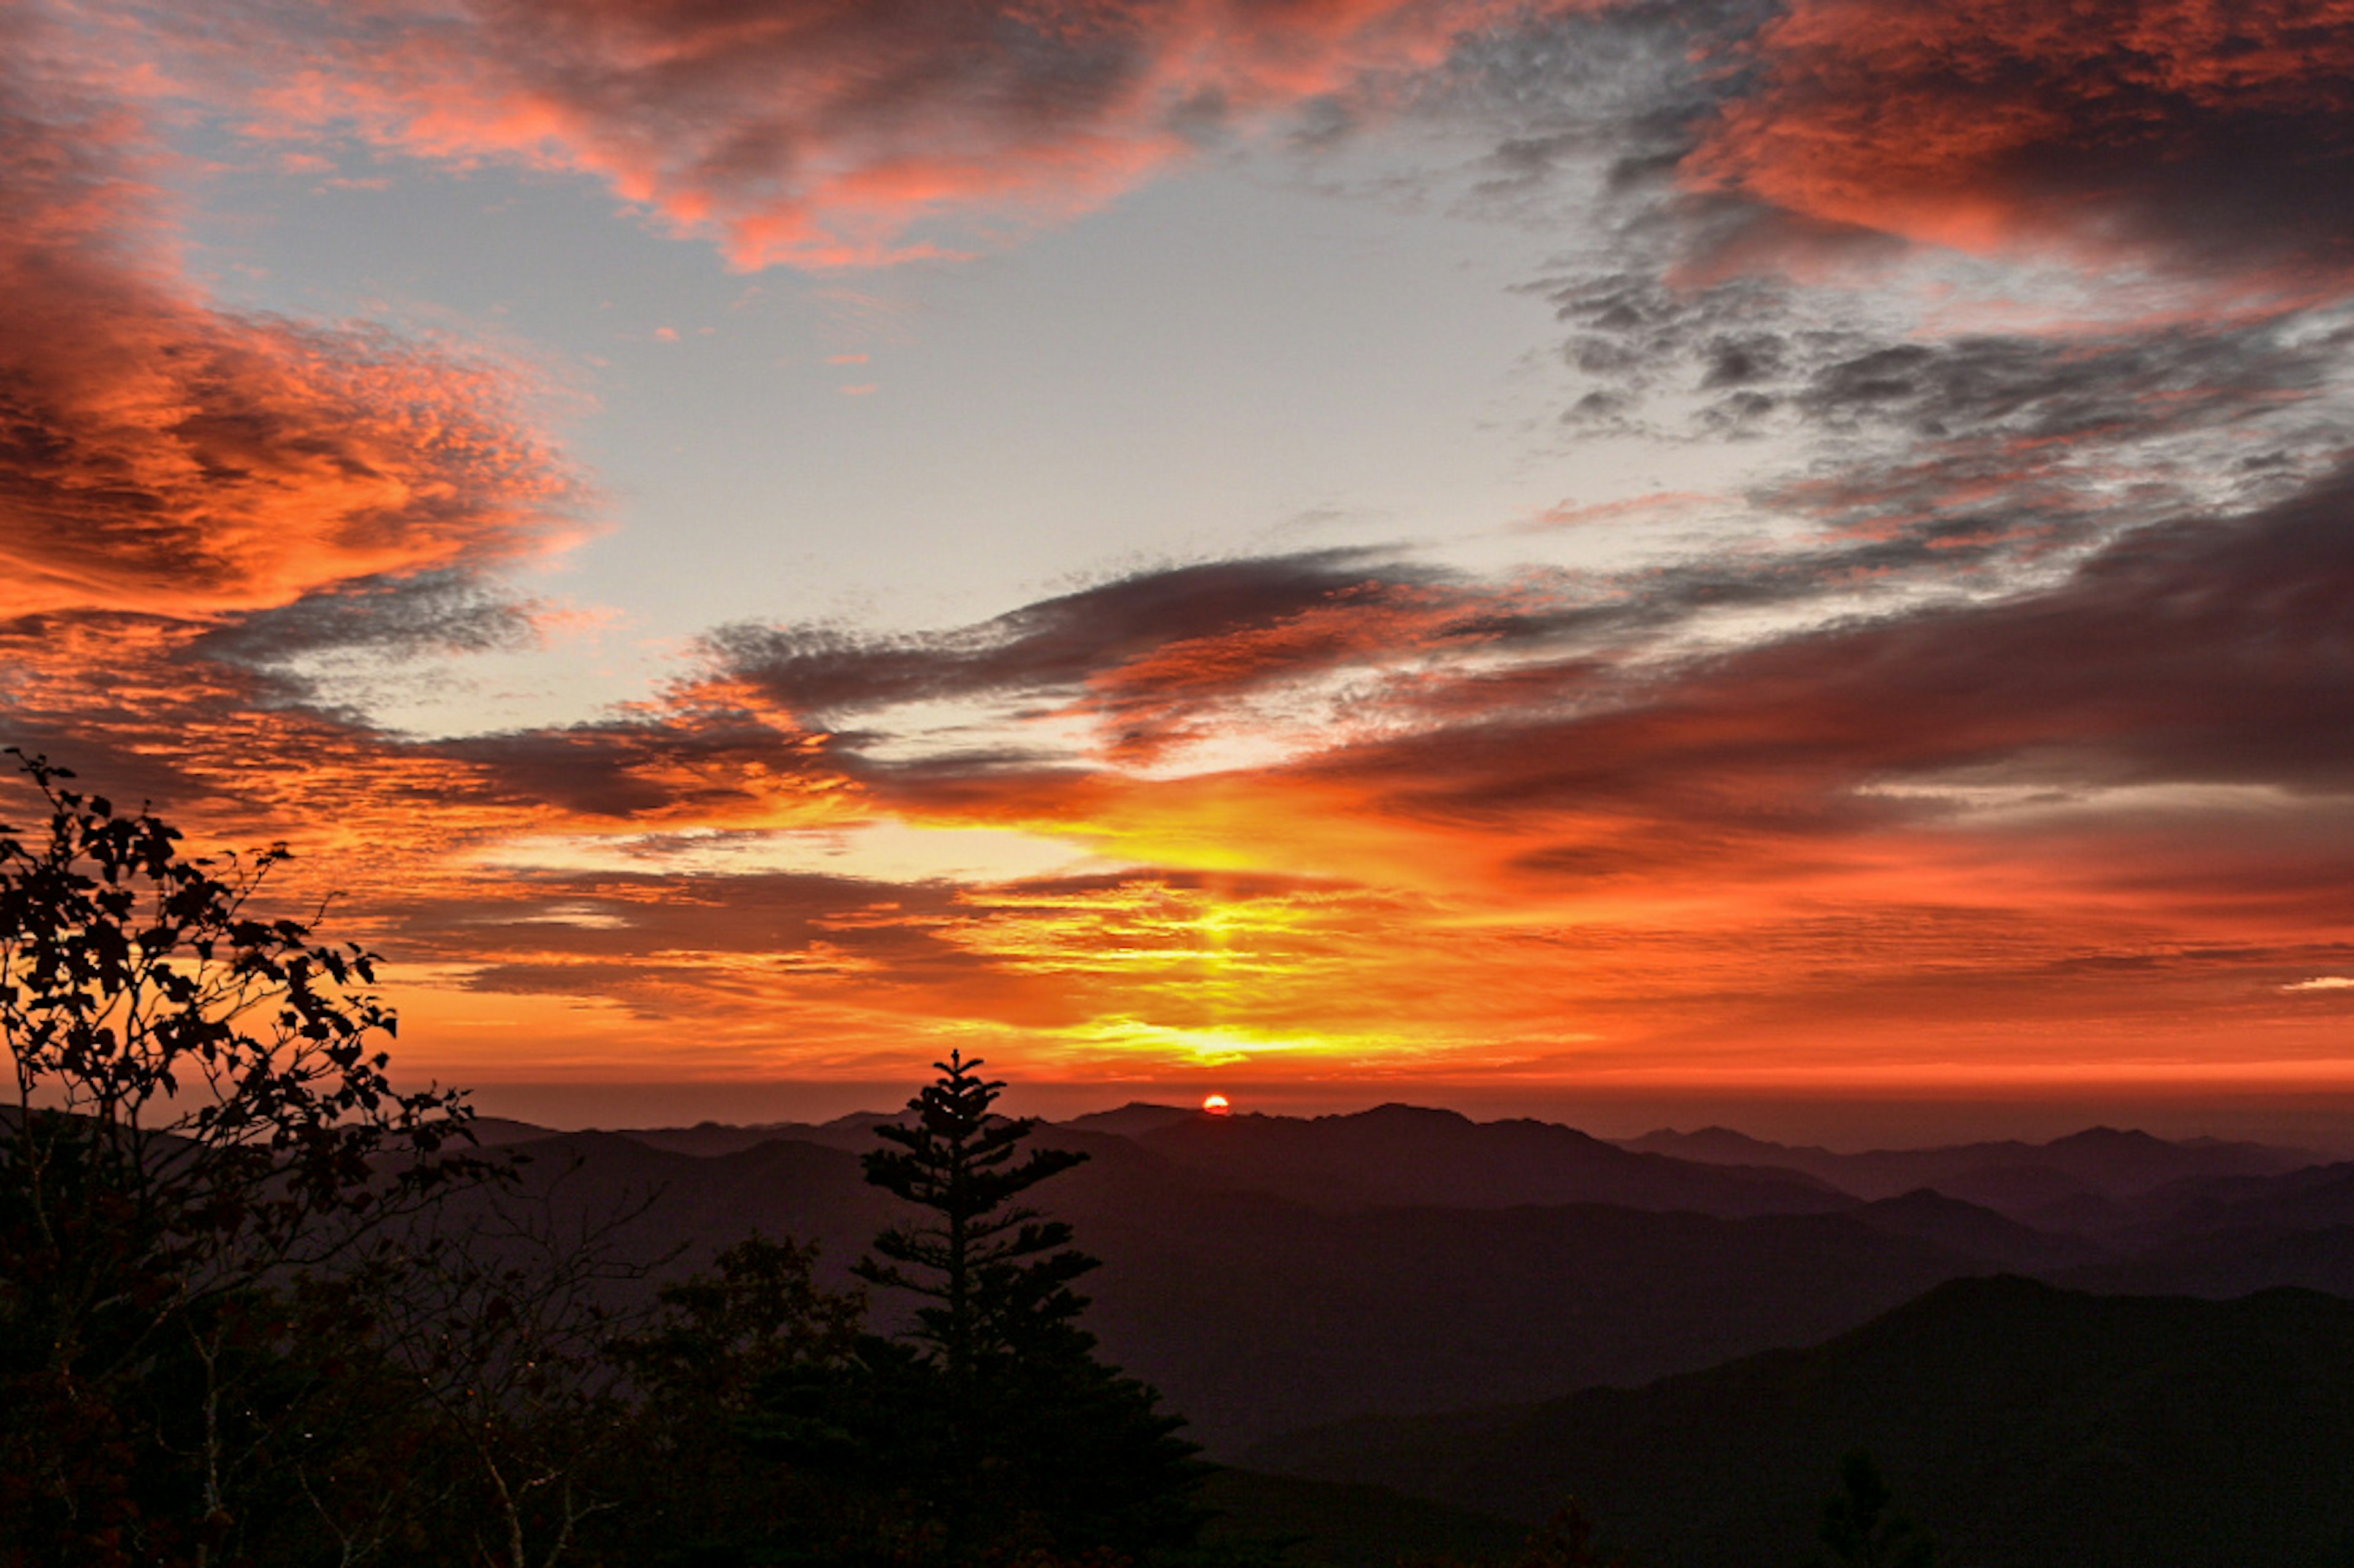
(2022,1424)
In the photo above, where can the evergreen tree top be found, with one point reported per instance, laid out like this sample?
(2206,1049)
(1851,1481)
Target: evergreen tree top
(998,1274)
(956,1156)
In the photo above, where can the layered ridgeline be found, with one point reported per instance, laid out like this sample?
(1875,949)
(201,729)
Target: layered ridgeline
(2092,1180)
(1269,1272)
(2017,1423)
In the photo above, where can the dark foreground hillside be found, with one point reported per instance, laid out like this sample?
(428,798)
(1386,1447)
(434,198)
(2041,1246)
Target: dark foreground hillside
(2024,1425)
(1344,1525)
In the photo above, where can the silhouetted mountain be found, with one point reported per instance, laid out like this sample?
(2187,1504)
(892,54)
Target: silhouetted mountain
(2034,1182)
(2229,1235)
(1723,1145)
(1133,1119)
(2314,1198)
(2022,1424)
(1260,1288)
(1397,1154)
(673,1212)
(710,1138)
(2229,1263)
(497,1131)
(1979,1232)
(1255,1313)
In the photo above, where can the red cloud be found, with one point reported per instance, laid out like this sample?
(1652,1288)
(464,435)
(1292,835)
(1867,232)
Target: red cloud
(162,454)
(1762,862)
(829,132)
(1548,829)
(2203,127)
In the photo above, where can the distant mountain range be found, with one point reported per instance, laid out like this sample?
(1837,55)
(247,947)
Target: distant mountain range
(1425,1332)
(1397,1155)
(1269,1272)
(2084,1181)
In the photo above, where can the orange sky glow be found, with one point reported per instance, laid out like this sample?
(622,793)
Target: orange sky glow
(2002,745)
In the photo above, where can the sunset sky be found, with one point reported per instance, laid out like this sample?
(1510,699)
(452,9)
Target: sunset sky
(1330,550)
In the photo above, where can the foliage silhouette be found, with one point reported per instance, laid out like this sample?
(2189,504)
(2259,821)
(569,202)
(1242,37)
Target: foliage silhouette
(1859,1527)
(200,1109)
(501,1320)
(990,1423)
(708,1481)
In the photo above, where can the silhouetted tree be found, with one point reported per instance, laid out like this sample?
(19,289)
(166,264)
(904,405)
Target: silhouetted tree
(200,1108)
(1861,1529)
(991,1424)
(502,1318)
(998,1277)
(707,1482)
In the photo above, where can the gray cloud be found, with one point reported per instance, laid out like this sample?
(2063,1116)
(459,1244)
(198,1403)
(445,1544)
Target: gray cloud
(453,611)
(2080,387)
(1054,645)
(2209,650)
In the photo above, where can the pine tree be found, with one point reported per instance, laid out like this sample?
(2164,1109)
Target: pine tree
(1032,1443)
(999,1277)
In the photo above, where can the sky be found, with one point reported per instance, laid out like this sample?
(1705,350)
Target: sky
(1323,550)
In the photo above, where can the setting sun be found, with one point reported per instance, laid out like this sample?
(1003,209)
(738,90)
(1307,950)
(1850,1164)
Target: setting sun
(1380,716)
(1704,646)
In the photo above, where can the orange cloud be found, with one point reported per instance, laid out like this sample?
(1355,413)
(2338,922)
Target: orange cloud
(164,455)
(818,133)
(1864,853)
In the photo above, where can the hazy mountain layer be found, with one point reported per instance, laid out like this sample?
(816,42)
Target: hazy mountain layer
(1255,1313)
(2027,1181)
(1268,1273)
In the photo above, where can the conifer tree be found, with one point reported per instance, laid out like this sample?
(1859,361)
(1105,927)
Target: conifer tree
(1032,1443)
(999,1277)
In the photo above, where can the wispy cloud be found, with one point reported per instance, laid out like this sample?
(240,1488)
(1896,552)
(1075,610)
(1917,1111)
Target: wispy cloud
(168,456)
(2023,706)
(823,134)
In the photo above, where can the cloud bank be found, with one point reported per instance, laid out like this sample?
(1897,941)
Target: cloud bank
(825,133)
(2022,711)
(164,455)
